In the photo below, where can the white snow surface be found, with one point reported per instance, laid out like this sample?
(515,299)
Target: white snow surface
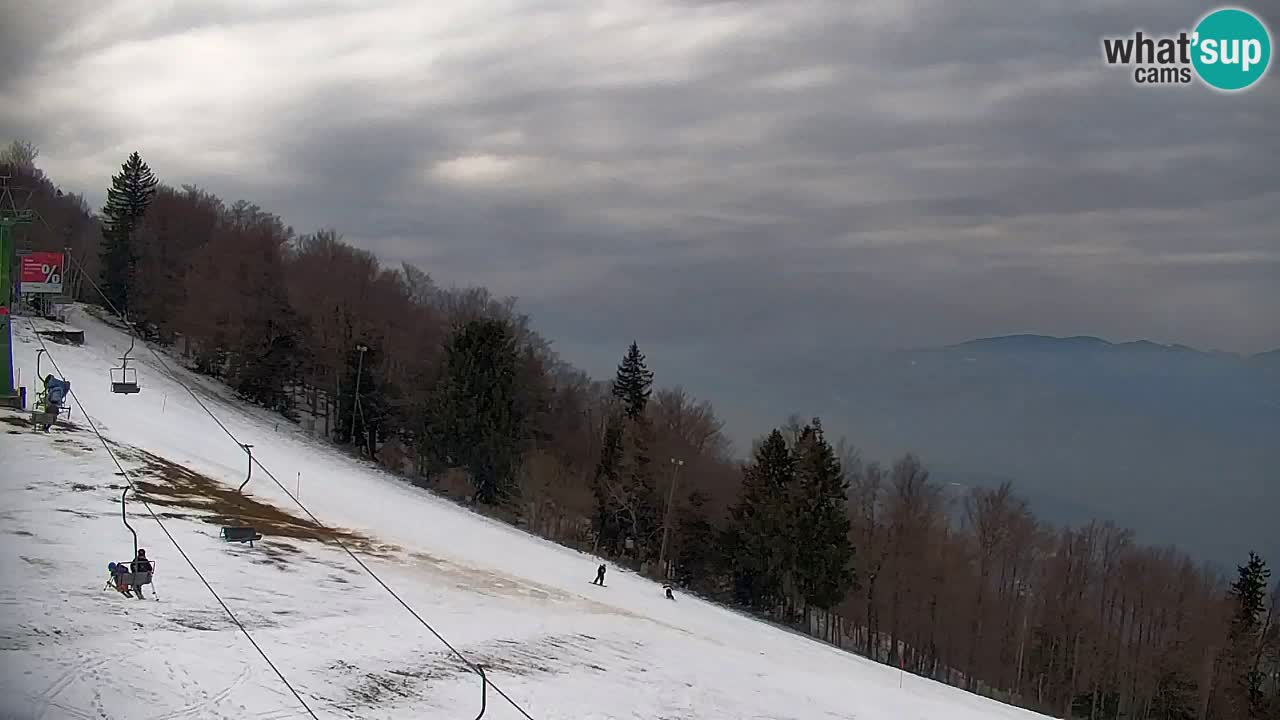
(559,646)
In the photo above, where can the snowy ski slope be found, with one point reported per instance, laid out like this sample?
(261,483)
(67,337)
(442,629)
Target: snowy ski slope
(558,645)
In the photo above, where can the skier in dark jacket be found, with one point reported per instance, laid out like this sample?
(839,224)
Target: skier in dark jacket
(599,575)
(139,565)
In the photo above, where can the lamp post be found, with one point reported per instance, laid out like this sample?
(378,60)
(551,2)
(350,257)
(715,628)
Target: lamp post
(355,404)
(666,518)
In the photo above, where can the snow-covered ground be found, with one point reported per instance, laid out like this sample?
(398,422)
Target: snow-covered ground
(525,608)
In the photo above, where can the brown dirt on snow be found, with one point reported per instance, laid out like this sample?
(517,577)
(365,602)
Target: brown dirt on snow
(165,483)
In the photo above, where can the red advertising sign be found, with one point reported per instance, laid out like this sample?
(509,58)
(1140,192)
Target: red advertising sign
(41,272)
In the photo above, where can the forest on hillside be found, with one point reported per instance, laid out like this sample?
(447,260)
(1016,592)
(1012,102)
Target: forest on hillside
(453,389)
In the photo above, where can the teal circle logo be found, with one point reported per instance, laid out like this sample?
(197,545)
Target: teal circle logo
(1231,49)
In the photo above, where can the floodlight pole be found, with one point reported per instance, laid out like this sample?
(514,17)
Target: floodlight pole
(666,517)
(355,403)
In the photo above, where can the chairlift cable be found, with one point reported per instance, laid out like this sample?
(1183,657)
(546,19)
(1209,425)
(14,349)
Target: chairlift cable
(335,539)
(123,473)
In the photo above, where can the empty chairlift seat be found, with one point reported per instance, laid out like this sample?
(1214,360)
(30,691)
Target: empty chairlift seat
(124,379)
(240,535)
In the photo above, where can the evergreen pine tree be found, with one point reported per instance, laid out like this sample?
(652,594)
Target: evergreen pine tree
(757,543)
(639,492)
(695,556)
(824,553)
(1240,684)
(128,197)
(633,383)
(626,501)
(478,420)
(605,486)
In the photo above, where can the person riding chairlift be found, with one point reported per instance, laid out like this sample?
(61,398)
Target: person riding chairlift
(140,564)
(118,571)
(55,392)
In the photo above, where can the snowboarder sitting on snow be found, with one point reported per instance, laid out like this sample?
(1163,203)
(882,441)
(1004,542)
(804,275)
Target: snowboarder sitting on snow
(118,571)
(599,575)
(668,589)
(140,564)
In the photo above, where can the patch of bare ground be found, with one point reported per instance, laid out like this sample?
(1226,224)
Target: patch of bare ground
(545,655)
(165,483)
(63,425)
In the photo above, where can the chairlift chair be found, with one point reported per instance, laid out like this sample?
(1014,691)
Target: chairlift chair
(124,379)
(47,409)
(134,578)
(242,533)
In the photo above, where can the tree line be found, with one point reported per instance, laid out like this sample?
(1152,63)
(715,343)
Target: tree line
(452,388)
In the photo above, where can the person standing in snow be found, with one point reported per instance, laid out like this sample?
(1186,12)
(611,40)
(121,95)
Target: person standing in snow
(668,589)
(599,576)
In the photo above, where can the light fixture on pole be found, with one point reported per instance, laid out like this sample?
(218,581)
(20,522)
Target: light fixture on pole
(666,518)
(355,405)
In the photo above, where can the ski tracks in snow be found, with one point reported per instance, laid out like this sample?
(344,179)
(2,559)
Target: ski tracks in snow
(81,669)
(207,702)
(49,703)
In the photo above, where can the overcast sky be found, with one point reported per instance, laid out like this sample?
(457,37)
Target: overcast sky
(714,179)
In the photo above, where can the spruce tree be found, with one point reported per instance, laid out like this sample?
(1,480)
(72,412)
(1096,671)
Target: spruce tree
(639,492)
(1239,682)
(695,555)
(128,197)
(478,420)
(627,504)
(824,554)
(605,485)
(758,541)
(633,383)
(1250,594)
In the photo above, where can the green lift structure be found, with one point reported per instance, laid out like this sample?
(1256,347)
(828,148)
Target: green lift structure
(10,218)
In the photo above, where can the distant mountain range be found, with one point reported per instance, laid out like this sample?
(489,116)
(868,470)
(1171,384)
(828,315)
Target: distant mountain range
(1049,343)
(1180,444)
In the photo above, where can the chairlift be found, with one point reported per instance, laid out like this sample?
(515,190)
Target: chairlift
(124,379)
(242,533)
(135,577)
(484,691)
(50,398)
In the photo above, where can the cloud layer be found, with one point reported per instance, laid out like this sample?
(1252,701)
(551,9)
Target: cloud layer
(731,183)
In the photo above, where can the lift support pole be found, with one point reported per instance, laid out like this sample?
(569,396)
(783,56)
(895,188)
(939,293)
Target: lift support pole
(10,217)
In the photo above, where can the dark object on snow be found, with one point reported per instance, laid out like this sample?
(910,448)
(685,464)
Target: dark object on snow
(668,589)
(240,534)
(599,575)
